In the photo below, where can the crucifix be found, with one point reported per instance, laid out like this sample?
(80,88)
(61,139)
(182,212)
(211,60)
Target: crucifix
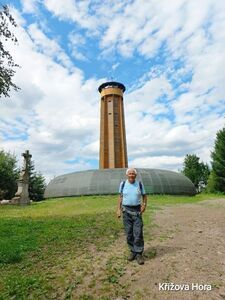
(27,156)
(22,195)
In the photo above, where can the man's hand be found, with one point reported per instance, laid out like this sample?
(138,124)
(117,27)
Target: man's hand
(118,213)
(144,203)
(143,206)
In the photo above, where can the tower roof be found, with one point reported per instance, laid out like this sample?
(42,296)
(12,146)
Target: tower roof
(112,84)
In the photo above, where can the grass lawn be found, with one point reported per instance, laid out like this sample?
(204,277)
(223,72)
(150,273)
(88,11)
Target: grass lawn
(46,248)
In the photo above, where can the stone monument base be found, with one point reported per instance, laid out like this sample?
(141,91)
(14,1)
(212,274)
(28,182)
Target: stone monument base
(5,202)
(22,195)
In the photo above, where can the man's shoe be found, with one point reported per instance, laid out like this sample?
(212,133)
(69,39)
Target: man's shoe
(140,259)
(132,256)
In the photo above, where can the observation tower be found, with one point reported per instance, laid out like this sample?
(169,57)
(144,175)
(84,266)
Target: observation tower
(113,159)
(113,146)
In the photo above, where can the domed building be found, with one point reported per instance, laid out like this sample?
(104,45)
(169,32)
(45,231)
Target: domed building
(113,160)
(106,181)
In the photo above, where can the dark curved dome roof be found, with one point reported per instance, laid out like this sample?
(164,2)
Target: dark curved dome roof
(110,84)
(106,181)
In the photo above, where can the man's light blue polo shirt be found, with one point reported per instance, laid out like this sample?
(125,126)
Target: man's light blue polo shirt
(131,193)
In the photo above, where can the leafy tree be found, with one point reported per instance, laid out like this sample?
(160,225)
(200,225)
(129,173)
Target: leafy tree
(196,171)
(8,175)
(38,186)
(212,186)
(217,176)
(205,173)
(37,183)
(7,63)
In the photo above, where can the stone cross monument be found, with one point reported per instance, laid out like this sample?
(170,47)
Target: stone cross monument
(22,195)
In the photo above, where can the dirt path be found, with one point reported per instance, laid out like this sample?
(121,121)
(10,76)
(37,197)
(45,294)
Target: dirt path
(189,247)
(186,245)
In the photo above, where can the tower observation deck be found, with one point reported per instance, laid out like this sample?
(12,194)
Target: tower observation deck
(113,146)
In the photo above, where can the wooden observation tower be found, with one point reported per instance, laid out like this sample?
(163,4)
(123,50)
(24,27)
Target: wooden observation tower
(113,147)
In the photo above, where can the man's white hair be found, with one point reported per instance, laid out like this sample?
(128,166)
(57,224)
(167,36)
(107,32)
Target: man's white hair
(131,169)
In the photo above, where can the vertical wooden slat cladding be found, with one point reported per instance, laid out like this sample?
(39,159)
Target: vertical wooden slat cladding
(113,149)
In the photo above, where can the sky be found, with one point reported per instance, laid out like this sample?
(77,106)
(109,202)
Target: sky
(169,54)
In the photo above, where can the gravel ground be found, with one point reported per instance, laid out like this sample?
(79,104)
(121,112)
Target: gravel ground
(184,249)
(187,250)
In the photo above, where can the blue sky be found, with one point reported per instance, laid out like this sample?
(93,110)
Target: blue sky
(169,55)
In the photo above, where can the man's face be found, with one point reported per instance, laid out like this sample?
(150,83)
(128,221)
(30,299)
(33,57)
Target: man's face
(131,176)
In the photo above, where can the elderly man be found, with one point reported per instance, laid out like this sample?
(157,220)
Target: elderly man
(129,202)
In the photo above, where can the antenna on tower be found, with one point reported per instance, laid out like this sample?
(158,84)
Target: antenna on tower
(110,74)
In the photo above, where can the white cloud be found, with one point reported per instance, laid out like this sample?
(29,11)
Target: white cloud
(48,47)
(115,66)
(29,6)
(77,11)
(77,41)
(172,163)
(167,115)
(149,93)
(55,107)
